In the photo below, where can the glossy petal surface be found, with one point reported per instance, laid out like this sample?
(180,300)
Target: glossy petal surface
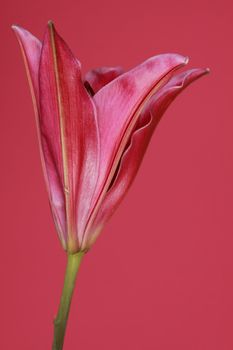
(119,104)
(31,49)
(69,130)
(134,153)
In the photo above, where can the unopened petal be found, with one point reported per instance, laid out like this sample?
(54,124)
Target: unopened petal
(69,130)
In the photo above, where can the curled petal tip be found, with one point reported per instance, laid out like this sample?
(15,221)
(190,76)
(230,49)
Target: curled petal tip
(186,60)
(202,71)
(50,24)
(15,28)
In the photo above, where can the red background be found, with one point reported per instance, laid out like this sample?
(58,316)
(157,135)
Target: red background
(161,274)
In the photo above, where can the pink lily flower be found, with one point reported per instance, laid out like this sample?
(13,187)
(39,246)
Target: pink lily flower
(93,132)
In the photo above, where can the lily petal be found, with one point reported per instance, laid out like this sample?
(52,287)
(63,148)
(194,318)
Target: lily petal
(133,155)
(97,78)
(119,104)
(68,130)
(31,51)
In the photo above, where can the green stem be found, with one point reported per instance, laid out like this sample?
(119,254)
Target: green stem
(60,321)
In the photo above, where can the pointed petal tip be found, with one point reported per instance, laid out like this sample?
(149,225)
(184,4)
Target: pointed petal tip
(190,75)
(50,28)
(16,28)
(181,59)
(186,60)
(19,31)
(201,71)
(178,59)
(50,24)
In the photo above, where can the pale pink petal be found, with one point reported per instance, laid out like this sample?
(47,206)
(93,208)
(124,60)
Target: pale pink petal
(31,51)
(119,104)
(134,153)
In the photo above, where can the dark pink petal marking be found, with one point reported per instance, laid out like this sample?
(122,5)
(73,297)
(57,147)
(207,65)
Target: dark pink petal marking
(31,50)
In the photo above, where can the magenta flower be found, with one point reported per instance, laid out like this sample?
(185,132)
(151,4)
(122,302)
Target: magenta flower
(93,134)
(93,131)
